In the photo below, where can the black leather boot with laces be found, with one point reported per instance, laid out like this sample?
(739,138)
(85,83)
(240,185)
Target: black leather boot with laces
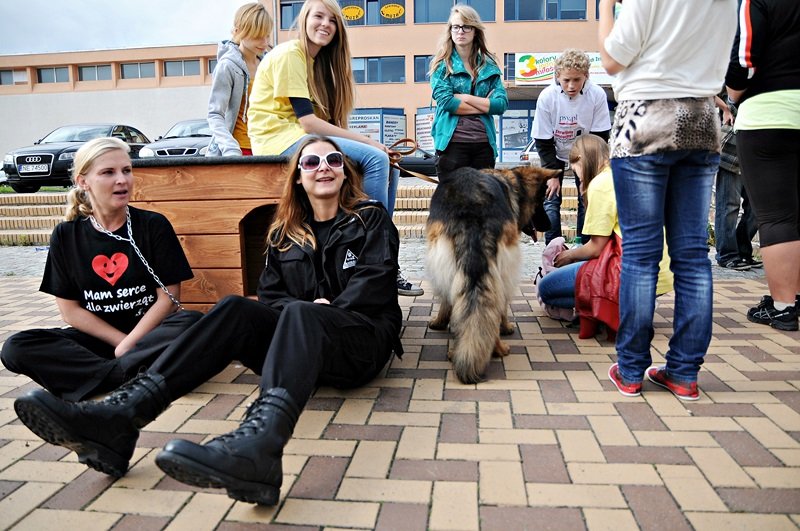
(103,433)
(247,461)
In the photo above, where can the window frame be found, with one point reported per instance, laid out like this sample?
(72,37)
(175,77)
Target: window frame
(138,65)
(370,61)
(426,77)
(55,71)
(96,70)
(423,6)
(512,15)
(183,63)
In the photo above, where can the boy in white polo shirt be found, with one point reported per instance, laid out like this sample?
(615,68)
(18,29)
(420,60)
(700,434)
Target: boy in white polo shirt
(570,107)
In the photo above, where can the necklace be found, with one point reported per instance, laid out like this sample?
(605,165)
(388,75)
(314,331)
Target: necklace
(96,224)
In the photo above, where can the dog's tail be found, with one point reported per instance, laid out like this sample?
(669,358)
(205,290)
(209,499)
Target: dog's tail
(478,304)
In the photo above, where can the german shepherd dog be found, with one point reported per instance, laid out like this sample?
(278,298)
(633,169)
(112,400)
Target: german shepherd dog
(473,257)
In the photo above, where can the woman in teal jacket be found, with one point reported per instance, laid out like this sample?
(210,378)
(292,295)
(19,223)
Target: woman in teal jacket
(468,88)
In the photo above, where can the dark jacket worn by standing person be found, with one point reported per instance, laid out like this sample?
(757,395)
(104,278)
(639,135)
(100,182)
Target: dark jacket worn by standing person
(770,44)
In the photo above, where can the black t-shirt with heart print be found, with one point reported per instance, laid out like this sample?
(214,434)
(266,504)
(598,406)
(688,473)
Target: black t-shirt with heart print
(105,275)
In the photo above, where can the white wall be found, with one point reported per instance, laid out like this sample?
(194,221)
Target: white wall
(26,118)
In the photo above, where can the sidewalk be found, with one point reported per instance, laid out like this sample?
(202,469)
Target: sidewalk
(546,443)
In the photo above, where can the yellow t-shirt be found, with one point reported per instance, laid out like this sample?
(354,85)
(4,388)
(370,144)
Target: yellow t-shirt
(271,123)
(601,218)
(240,128)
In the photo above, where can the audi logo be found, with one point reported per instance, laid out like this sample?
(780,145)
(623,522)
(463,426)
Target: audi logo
(31,160)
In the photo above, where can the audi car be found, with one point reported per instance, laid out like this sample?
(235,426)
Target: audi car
(189,138)
(48,162)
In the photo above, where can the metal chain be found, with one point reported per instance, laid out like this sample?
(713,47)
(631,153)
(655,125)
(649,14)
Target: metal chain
(130,240)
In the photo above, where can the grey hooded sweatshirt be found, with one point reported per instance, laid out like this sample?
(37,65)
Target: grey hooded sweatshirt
(229,84)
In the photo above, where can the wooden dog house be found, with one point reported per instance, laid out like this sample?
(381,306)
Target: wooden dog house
(220,208)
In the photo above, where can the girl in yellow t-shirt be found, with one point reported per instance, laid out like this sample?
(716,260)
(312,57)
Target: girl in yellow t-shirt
(305,87)
(589,160)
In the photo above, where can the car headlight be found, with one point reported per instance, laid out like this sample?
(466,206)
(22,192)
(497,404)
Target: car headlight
(203,151)
(146,152)
(67,156)
(8,159)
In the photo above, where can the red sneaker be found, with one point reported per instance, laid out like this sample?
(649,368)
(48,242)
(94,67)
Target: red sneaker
(624,387)
(683,390)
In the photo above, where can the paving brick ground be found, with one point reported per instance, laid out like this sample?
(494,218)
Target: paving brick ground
(546,443)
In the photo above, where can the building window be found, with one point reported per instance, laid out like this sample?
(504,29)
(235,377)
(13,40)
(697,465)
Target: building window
(422,63)
(545,9)
(94,73)
(373,12)
(431,11)
(59,74)
(6,77)
(212,64)
(137,70)
(379,69)
(190,67)
(289,12)
(439,10)
(510,70)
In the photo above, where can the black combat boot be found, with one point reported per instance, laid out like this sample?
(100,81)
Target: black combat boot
(247,461)
(103,433)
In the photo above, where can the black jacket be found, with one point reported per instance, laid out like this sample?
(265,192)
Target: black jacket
(360,270)
(768,60)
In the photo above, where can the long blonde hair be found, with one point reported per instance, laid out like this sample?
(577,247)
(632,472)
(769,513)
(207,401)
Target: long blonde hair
(479,55)
(78,202)
(591,153)
(290,225)
(330,80)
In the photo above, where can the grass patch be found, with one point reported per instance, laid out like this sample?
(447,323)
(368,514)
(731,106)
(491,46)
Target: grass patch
(5,189)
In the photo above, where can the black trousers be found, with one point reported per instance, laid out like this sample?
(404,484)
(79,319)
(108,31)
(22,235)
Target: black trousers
(770,162)
(478,155)
(74,365)
(297,348)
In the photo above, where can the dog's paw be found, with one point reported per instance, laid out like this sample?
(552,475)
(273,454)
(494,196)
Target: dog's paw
(507,329)
(437,324)
(501,349)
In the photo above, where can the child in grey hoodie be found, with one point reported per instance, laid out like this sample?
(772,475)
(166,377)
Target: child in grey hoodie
(237,60)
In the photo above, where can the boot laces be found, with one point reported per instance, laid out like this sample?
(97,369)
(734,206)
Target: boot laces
(121,394)
(252,424)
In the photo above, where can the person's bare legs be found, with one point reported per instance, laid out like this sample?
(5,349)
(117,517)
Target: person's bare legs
(782,267)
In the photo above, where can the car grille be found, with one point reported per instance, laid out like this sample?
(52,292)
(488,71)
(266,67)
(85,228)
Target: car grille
(176,152)
(34,164)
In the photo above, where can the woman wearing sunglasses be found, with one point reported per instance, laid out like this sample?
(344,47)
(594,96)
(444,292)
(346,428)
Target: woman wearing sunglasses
(326,315)
(305,87)
(468,88)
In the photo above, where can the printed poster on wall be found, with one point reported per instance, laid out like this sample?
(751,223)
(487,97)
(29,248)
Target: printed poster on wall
(422,128)
(368,125)
(384,125)
(394,128)
(538,68)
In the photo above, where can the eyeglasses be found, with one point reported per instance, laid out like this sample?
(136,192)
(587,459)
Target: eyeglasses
(458,28)
(334,161)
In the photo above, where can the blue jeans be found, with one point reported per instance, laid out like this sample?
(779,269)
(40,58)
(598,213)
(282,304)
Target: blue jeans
(557,288)
(379,183)
(672,191)
(732,239)
(553,209)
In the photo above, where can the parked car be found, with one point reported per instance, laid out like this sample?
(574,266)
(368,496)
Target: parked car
(184,139)
(48,162)
(530,155)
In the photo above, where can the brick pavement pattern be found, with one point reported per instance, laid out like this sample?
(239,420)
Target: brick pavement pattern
(546,443)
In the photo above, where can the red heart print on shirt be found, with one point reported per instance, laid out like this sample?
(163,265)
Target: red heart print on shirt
(110,269)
